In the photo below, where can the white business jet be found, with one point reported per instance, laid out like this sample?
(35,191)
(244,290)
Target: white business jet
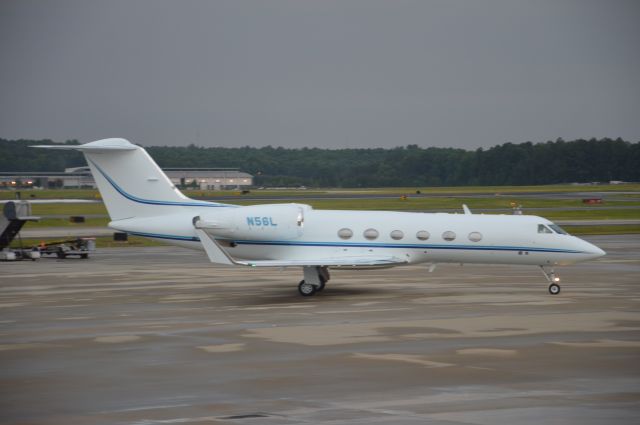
(142,201)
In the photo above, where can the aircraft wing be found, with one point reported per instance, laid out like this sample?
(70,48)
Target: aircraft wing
(218,255)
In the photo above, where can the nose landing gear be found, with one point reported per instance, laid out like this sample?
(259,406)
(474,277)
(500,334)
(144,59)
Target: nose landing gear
(554,286)
(314,280)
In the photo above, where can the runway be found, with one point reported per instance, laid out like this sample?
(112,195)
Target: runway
(159,335)
(372,194)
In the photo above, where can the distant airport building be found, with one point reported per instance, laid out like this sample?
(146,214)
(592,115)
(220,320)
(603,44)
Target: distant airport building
(80,177)
(210,178)
(71,178)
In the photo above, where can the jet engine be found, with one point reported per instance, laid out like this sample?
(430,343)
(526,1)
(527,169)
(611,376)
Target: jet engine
(255,222)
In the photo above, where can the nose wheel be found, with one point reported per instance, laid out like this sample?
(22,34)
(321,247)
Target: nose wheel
(554,286)
(554,289)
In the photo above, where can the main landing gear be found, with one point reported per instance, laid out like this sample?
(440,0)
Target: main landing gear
(554,287)
(314,280)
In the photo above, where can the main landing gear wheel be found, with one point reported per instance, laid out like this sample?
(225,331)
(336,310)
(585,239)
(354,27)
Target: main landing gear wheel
(315,278)
(554,289)
(306,289)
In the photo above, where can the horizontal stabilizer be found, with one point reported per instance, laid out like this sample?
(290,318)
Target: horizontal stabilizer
(105,145)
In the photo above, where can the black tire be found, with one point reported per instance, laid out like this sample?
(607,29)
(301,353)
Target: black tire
(554,289)
(306,289)
(322,284)
(84,256)
(61,254)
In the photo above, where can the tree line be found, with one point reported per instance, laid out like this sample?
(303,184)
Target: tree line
(507,164)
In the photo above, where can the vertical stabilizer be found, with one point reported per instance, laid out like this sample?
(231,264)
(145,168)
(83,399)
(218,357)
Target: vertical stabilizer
(129,180)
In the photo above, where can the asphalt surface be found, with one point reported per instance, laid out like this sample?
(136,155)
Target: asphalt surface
(159,335)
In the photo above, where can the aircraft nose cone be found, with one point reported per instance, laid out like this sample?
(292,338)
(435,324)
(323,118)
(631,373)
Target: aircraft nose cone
(593,251)
(598,252)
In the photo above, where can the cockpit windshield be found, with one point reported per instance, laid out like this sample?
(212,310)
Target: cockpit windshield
(558,229)
(546,228)
(543,229)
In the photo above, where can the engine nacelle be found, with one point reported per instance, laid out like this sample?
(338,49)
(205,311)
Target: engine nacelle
(255,222)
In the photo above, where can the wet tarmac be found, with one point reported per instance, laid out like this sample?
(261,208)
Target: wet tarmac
(159,335)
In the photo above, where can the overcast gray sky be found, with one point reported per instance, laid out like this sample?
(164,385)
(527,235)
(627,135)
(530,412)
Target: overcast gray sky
(343,73)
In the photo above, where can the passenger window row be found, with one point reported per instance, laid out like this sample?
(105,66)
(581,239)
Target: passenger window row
(423,235)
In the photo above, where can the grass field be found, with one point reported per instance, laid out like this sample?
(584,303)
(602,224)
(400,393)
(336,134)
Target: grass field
(442,203)
(199,194)
(68,209)
(51,194)
(569,188)
(64,222)
(603,230)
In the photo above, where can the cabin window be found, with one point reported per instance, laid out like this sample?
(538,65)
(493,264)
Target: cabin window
(423,235)
(558,229)
(371,234)
(345,233)
(448,235)
(543,229)
(475,236)
(397,235)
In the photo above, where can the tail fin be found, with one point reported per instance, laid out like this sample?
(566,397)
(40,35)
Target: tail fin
(129,180)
